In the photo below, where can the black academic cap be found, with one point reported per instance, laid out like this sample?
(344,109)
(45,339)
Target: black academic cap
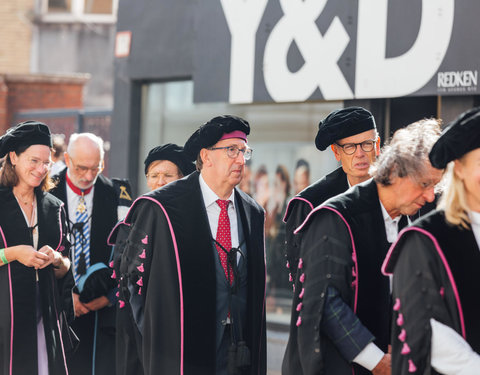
(95,283)
(459,137)
(26,133)
(173,153)
(210,133)
(343,123)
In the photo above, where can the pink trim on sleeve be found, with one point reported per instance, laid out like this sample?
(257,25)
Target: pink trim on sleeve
(288,206)
(11,304)
(354,255)
(60,226)
(445,264)
(179,271)
(109,238)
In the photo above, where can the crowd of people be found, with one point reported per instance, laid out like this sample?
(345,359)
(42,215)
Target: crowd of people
(175,281)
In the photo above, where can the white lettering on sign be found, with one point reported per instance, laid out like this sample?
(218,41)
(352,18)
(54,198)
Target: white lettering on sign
(467,78)
(320,54)
(377,76)
(243,18)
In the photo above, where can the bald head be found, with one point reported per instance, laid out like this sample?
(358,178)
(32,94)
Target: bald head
(84,159)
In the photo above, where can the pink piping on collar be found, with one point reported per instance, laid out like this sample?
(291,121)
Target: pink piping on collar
(445,264)
(288,206)
(179,272)
(11,303)
(354,255)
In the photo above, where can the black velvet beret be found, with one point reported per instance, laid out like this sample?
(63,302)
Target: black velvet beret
(173,153)
(26,133)
(458,138)
(210,133)
(95,283)
(343,123)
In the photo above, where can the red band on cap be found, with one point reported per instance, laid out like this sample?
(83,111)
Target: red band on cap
(234,134)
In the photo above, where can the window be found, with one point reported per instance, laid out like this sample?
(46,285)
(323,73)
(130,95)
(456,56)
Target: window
(100,11)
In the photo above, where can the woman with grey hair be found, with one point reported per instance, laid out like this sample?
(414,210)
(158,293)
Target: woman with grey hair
(435,263)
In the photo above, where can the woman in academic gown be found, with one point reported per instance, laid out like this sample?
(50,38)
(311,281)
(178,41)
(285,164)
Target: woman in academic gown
(166,163)
(435,263)
(33,262)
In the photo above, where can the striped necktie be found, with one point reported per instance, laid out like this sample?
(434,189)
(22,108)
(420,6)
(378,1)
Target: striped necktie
(82,239)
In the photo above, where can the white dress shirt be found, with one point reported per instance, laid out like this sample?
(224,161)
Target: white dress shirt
(73,199)
(213,212)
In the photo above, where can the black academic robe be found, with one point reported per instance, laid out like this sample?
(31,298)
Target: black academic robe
(100,324)
(18,304)
(302,204)
(343,246)
(435,275)
(171,281)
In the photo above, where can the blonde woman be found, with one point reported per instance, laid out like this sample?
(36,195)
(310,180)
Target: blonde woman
(435,265)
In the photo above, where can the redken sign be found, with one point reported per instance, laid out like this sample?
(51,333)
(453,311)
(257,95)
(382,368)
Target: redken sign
(296,50)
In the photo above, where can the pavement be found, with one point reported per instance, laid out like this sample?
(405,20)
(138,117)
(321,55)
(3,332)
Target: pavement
(276,343)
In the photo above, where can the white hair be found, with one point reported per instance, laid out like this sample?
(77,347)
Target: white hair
(82,136)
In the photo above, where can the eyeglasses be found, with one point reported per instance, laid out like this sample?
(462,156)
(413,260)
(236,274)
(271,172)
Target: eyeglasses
(156,176)
(350,148)
(35,163)
(233,151)
(81,170)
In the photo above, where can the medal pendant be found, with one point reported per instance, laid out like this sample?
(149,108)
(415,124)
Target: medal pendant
(81,207)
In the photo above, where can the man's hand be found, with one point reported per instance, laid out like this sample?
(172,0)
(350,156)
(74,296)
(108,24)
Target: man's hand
(384,367)
(97,303)
(79,307)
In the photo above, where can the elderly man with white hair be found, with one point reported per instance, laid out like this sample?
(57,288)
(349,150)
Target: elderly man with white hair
(92,205)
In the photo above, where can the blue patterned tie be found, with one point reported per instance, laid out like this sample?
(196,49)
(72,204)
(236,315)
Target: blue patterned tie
(82,240)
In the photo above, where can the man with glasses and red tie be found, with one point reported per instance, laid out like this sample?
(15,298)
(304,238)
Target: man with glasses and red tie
(352,135)
(196,273)
(92,203)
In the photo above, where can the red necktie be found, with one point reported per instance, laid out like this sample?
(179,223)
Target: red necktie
(224,237)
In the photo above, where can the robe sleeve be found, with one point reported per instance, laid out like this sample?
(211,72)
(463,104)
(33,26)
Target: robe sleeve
(420,292)
(325,261)
(154,288)
(67,282)
(299,212)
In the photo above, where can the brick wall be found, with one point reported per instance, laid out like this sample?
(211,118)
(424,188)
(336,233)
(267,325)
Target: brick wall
(16,35)
(38,92)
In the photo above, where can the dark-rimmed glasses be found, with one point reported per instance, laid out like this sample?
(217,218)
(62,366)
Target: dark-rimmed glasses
(350,148)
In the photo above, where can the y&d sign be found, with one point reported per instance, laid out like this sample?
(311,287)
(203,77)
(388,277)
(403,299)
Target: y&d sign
(298,50)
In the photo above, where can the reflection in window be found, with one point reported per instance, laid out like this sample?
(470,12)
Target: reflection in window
(59,6)
(98,6)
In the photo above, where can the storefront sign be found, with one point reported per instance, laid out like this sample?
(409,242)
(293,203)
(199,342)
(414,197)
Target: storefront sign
(298,50)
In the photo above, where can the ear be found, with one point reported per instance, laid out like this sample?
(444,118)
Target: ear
(377,146)
(336,152)
(458,169)
(205,156)
(13,157)
(67,159)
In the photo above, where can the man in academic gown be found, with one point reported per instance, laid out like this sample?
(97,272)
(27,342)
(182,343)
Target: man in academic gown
(340,129)
(198,300)
(341,309)
(435,262)
(92,206)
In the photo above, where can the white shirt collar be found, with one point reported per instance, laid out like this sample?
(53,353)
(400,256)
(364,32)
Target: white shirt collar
(209,196)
